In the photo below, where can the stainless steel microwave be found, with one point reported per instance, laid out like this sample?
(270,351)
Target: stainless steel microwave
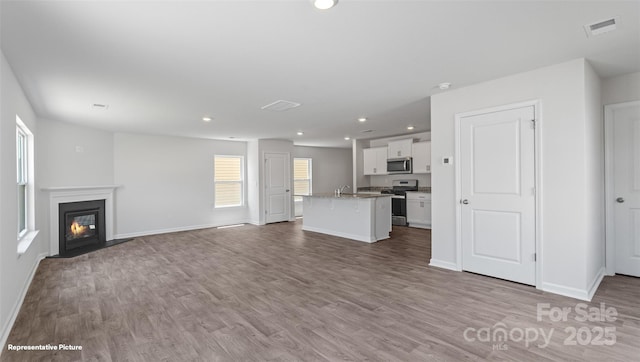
(399,165)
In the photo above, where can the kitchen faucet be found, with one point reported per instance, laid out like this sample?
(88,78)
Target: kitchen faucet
(341,189)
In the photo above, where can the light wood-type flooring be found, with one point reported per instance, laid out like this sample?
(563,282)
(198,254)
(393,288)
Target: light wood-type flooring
(278,293)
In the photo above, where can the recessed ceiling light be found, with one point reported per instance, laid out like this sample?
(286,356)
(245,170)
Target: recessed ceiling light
(444,85)
(347,138)
(362,119)
(324,4)
(410,128)
(300,133)
(206,119)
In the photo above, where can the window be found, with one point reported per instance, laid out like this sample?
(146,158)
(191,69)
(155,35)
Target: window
(25,186)
(229,181)
(301,177)
(23,179)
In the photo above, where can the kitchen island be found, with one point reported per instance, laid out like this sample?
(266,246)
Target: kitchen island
(362,217)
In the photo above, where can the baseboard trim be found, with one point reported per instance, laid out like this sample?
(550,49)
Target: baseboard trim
(16,307)
(593,288)
(582,294)
(177,229)
(443,264)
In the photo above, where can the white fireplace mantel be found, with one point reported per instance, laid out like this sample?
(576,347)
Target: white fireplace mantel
(64,194)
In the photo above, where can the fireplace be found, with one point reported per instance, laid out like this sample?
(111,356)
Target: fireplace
(82,226)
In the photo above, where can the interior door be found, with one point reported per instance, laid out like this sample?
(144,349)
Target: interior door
(497,179)
(277,187)
(626,183)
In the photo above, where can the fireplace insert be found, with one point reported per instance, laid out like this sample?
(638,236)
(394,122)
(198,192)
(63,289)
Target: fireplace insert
(82,226)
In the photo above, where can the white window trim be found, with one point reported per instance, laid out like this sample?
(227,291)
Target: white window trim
(26,237)
(241,181)
(310,179)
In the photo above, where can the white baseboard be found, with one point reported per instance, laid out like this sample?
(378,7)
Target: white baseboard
(593,288)
(443,264)
(6,329)
(175,230)
(582,294)
(571,292)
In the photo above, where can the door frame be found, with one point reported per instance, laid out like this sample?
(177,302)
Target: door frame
(537,106)
(609,204)
(265,196)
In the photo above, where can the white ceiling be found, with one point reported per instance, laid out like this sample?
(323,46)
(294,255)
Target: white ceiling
(162,66)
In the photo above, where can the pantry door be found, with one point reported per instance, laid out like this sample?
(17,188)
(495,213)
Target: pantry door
(277,187)
(623,201)
(497,193)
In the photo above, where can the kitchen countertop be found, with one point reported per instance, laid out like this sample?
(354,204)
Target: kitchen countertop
(426,189)
(347,196)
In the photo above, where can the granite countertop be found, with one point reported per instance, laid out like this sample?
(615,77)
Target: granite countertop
(329,195)
(380,189)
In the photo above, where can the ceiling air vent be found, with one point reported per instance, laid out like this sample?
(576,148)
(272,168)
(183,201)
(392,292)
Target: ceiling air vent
(280,106)
(600,27)
(99,107)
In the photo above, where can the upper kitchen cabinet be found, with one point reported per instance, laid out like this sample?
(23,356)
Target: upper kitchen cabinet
(421,157)
(375,161)
(400,148)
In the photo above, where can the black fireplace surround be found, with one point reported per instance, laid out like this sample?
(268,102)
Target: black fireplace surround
(82,227)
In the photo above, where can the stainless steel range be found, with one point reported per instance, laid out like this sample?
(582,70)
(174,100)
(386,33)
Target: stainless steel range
(399,200)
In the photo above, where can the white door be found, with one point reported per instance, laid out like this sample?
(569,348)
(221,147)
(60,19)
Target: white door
(277,187)
(626,184)
(497,182)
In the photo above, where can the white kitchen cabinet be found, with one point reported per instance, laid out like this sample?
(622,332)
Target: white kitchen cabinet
(419,209)
(375,161)
(422,157)
(400,148)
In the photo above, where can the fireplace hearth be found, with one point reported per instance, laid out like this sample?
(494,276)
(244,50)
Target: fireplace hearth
(82,227)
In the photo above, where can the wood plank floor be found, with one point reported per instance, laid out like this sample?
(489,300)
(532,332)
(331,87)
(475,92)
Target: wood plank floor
(278,293)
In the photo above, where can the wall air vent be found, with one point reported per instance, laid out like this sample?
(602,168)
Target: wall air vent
(600,27)
(280,106)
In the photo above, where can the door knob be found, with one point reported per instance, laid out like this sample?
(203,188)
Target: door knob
(619,200)
(465,202)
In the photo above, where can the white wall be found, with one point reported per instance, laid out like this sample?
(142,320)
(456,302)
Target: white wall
(624,88)
(167,184)
(72,155)
(564,223)
(15,271)
(594,179)
(331,167)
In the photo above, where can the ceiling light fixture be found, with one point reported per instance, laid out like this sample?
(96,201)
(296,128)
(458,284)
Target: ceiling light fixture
(300,133)
(362,119)
(410,128)
(206,119)
(347,138)
(324,4)
(444,85)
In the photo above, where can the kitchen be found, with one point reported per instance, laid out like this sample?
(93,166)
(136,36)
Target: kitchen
(392,187)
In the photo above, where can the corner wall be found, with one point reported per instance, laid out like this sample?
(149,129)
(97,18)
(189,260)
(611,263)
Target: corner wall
(564,223)
(16,271)
(594,181)
(331,167)
(167,184)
